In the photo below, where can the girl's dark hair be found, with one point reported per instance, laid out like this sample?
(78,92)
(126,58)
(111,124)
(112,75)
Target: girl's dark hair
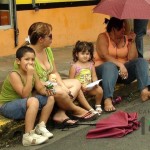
(83,46)
(114,23)
(23,50)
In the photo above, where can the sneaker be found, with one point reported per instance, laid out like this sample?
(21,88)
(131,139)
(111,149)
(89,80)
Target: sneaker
(33,139)
(41,130)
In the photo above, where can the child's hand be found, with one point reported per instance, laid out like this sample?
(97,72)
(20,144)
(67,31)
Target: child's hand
(30,69)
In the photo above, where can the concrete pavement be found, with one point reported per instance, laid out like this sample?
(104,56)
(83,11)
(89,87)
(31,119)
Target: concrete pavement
(74,139)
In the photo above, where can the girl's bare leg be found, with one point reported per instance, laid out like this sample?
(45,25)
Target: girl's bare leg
(82,100)
(31,113)
(98,92)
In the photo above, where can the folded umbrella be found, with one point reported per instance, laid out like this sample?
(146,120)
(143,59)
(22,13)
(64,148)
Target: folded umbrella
(116,125)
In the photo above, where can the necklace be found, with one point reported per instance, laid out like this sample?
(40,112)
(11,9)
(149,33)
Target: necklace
(114,42)
(117,44)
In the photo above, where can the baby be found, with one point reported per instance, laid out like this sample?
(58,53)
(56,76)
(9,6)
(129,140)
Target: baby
(52,82)
(52,78)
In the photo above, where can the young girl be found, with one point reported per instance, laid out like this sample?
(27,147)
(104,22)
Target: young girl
(83,69)
(17,102)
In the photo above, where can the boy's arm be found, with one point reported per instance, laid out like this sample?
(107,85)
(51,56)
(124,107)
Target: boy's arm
(15,80)
(40,88)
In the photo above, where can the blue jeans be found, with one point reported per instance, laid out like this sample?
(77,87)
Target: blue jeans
(16,109)
(108,71)
(140,27)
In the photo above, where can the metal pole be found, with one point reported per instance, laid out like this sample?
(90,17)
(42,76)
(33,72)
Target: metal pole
(16,30)
(36,8)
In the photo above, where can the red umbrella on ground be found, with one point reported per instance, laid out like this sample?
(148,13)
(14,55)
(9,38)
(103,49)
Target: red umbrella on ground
(118,124)
(124,9)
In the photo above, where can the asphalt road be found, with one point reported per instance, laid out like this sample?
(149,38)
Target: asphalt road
(75,139)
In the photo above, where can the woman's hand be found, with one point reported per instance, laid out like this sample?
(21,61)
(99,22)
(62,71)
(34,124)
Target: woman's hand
(50,92)
(123,72)
(131,36)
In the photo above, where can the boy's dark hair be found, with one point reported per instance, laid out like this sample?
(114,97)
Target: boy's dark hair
(114,23)
(22,50)
(83,46)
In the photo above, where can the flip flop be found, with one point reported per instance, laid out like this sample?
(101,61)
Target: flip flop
(109,111)
(85,117)
(65,124)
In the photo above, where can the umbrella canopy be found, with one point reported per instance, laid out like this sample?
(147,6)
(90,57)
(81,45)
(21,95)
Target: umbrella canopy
(124,9)
(116,125)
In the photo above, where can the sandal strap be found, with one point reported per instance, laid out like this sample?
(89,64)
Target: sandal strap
(97,106)
(64,121)
(93,111)
(87,114)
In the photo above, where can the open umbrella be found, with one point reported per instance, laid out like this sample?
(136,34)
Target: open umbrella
(124,9)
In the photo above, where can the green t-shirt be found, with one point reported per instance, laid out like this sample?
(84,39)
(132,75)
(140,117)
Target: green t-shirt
(41,72)
(8,93)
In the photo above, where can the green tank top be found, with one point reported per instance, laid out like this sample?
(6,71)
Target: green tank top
(41,72)
(8,93)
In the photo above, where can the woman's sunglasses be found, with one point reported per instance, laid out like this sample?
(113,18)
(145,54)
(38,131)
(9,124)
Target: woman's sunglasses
(50,36)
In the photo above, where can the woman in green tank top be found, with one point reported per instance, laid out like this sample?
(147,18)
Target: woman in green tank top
(40,35)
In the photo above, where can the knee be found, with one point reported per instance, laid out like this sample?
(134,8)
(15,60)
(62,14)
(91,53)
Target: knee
(50,100)
(60,93)
(32,101)
(109,66)
(76,83)
(106,69)
(100,91)
(109,69)
(141,61)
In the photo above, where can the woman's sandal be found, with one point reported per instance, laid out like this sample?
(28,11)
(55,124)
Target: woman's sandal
(98,109)
(65,124)
(93,116)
